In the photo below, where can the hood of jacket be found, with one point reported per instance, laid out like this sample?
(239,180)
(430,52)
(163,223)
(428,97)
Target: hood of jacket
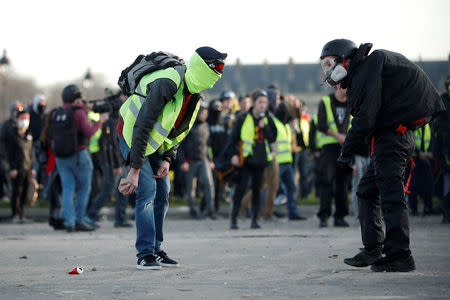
(199,76)
(360,55)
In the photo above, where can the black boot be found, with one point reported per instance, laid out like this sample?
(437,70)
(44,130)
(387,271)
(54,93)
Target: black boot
(255,211)
(255,224)
(364,258)
(233,223)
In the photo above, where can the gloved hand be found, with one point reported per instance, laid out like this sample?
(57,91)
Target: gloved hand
(345,162)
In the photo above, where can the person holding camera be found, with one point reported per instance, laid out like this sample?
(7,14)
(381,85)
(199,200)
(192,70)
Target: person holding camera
(111,165)
(249,148)
(70,131)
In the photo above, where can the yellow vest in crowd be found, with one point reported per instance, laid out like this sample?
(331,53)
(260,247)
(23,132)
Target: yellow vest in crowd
(284,140)
(248,136)
(325,138)
(426,133)
(94,145)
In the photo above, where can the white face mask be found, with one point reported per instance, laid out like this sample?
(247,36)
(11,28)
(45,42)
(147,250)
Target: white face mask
(23,123)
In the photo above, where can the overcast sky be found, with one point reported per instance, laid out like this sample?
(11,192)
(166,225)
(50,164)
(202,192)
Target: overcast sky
(53,41)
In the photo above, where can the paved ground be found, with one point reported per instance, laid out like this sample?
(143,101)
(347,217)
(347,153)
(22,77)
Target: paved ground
(283,260)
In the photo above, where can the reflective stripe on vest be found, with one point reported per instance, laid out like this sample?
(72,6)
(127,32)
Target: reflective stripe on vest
(284,139)
(426,132)
(94,145)
(248,137)
(159,134)
(325,138)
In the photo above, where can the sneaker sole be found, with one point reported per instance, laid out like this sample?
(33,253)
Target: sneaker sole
(170,265)
(361,265)
(401,269)
(139,267)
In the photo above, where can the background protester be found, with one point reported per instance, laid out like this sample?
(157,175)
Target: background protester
(254,131)
(107,151)
(70,132)
(193,151)
(18,143)
(333,121)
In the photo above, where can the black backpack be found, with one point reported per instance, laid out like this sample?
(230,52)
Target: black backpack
(143,65)
(63,132)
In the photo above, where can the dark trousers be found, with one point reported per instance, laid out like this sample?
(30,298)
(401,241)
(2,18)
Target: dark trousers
(421,185)
(19,193)
(381,194)
(245,173)
(332,179)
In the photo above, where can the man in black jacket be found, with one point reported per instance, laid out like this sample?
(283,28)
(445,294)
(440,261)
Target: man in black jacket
(388,96)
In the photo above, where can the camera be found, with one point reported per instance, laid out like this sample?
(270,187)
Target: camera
(110,104)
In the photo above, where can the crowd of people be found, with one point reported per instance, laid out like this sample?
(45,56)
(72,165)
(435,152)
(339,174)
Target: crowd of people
(252,151)
(297,157)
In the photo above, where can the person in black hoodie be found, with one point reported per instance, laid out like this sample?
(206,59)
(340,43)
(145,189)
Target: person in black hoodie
(388,96)
(249,148)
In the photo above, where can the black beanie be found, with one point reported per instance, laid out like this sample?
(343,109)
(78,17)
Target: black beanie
(210,54)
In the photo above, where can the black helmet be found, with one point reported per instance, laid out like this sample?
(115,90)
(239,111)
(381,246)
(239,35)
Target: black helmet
(70,93)
(341,47)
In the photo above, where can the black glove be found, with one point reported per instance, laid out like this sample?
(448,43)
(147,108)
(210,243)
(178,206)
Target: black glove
(345,162)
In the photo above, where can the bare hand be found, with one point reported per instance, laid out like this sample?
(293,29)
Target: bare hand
(235,160)
(212,165)
(128,185)
(33,173)
(185,166)
(341,138)
(13,173)
(163,170)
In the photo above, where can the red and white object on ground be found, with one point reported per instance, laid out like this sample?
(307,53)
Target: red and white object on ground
(77,271)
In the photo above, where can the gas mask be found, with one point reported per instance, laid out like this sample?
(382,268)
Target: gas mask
(334,71)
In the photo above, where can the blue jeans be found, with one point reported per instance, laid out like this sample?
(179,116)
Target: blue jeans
(75,172)
(152,196)
(287,178)
(110,183)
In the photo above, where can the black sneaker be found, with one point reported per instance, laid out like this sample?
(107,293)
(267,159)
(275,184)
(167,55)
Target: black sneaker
(364,258)
(340,222)
(122,224)
(279,214)
(297,218)
(323,223)
(148,263)
(386,264)
(83,227)
(165,261)
(255,225)
(70,228)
